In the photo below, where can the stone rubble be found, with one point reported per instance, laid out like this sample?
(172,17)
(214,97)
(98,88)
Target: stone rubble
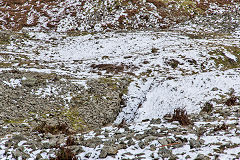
(40,111)
(160,138)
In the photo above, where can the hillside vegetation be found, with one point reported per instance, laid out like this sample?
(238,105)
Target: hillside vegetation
(100,15)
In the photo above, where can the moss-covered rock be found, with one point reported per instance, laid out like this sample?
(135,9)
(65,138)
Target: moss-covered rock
(4,38)
(100,104)
(223,61)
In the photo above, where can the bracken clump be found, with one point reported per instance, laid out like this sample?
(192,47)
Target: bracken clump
(231,101)
(60,128)
(64,154)
(181,116)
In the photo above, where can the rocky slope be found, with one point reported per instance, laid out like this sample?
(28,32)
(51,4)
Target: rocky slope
(92,16)
(70,89)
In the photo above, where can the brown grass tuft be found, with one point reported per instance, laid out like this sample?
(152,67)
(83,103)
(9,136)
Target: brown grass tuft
(60,128)
(231,101)
(208,107)
(110,68)
(220,127)
(70,141)
(181,116)
(64,154)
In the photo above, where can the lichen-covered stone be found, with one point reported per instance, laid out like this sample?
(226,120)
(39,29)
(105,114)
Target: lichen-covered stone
(99,105)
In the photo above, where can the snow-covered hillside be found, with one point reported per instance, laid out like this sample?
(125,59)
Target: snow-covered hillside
(103,79)
(107,15)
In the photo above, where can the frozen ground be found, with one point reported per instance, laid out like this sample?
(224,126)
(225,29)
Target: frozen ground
(187,67)
(169,69)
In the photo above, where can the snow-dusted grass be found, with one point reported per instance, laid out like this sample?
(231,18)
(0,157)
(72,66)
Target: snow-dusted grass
(189,92)
(13,83)
(159,85)
(180,72)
